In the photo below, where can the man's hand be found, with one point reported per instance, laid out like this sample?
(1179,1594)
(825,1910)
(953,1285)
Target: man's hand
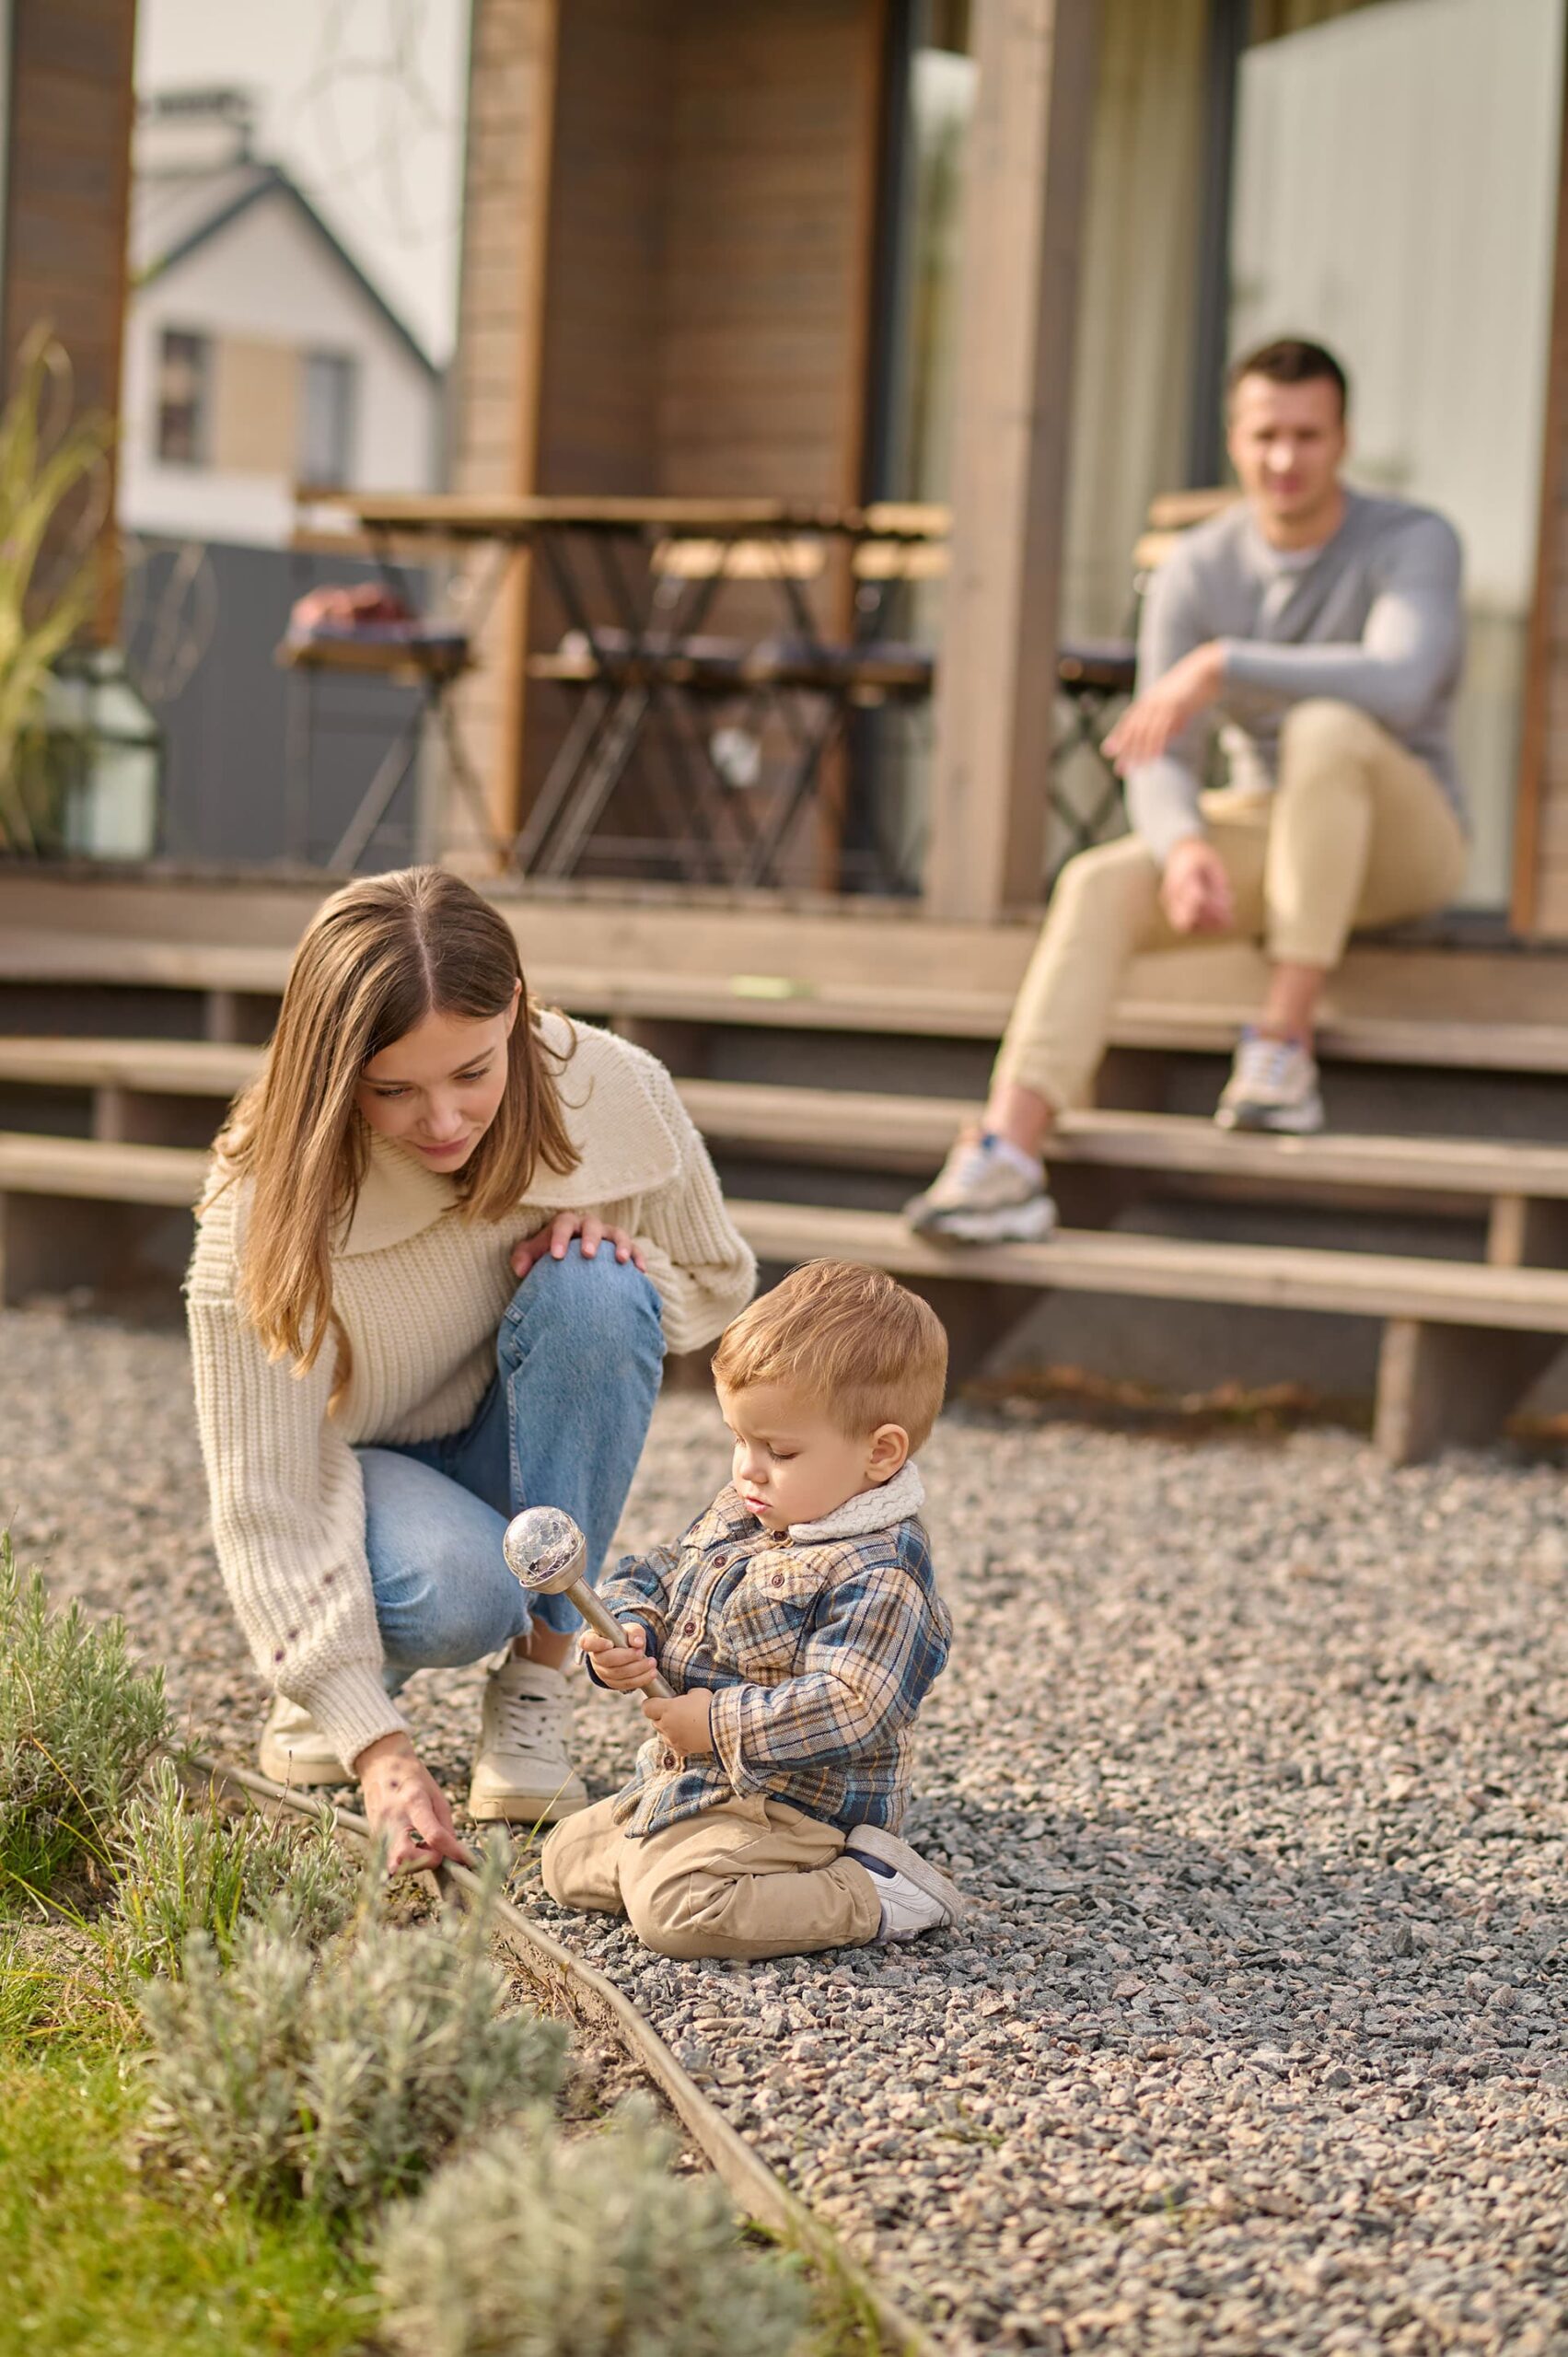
(552,1242)
(403,1801)
(683,1720)
(625,1667)
(1195,890)
(1163,711)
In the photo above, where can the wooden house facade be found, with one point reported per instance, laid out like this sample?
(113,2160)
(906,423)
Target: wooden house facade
(987,256)
(845,250)
(66,104)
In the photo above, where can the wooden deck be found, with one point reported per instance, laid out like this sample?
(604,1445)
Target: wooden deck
(133,1007)
(846,967)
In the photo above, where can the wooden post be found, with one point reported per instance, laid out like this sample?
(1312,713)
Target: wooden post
(1541,893)
(1451,1386)
(995,713)
(508,152)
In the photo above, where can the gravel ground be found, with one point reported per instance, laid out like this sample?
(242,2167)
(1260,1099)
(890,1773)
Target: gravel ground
(1252,1758)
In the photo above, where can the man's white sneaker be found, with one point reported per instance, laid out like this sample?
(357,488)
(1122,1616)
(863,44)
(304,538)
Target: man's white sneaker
(988,1191)
(915,1896)
(1272,1085)
(523,1775)
(294,1752)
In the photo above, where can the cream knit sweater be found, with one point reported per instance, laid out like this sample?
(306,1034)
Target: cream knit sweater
(420,1291)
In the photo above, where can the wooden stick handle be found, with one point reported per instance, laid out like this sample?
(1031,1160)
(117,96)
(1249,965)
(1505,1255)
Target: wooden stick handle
(594,1613)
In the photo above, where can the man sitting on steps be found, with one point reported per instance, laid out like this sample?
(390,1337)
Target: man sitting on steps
(1326,627)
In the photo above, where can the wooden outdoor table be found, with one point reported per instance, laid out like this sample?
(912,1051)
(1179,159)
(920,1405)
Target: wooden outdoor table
(462,519)
(660,562)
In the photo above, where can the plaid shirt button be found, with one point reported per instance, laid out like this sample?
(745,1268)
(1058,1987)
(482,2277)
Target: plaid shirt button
(690,1630)
(778,1579)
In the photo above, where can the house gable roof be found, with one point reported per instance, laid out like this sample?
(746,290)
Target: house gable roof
(175,214)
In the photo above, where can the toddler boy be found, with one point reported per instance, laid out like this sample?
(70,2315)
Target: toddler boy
(799,1624)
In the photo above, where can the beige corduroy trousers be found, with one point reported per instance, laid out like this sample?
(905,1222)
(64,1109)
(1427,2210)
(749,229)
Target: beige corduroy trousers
(750,1879)
(1358,832)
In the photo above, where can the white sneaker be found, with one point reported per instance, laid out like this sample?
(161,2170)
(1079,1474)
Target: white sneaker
(915,1896)
(294,1752)
(988,1191)
(522,1775)
(1272,1085)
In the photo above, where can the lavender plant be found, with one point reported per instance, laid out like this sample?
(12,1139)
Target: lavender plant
(337,2083)
(531,2246)
(78,1721)
(183,1866)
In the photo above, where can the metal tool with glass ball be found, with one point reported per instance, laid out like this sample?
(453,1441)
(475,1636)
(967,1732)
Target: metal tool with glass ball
(547,1554)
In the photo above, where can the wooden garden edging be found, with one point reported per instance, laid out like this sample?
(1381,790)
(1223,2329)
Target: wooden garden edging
(568,1985)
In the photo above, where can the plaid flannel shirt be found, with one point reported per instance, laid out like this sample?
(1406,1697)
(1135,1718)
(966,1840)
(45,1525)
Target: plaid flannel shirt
(818,1643)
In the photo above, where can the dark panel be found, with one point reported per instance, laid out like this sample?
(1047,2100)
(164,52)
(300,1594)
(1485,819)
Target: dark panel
(226,763)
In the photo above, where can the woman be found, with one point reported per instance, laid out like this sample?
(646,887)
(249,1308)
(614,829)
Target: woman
(448,1240)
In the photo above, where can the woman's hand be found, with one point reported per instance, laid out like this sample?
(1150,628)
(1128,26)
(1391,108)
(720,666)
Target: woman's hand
(404,1803)
(1163,711)
(625,1669)
(552,1242)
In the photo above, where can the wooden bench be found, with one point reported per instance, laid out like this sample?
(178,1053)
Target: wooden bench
(240,982)
(856,1129)
(1463,1341)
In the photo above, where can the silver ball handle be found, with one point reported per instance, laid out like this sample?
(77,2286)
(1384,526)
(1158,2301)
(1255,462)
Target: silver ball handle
(594,1613)
(543,1551)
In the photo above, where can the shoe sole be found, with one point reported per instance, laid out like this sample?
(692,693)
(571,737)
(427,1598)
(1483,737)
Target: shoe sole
(1016,1225)
(897,1855)
(300,1775)
(1294,1121)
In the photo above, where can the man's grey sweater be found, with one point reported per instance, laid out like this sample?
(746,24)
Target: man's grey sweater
(1374,619)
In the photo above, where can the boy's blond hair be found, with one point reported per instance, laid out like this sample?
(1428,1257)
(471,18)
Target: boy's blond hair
(865,1349)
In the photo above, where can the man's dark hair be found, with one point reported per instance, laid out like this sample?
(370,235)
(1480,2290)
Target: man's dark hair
(1289,360)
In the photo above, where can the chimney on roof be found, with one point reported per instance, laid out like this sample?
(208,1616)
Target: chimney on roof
(199,130)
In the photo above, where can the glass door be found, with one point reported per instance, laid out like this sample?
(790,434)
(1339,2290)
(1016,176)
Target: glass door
(1394,196)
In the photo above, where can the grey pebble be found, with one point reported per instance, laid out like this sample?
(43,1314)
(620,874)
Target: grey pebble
(1251,1757)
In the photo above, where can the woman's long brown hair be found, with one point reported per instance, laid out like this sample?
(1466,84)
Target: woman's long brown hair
(379,956)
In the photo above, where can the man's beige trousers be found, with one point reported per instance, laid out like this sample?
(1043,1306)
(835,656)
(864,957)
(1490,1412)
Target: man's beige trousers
(1356,832)
(750,1879)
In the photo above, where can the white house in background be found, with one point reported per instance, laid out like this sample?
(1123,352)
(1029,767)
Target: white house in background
(258,355)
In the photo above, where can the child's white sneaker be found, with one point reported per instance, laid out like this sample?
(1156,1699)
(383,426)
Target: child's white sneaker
(914,1895)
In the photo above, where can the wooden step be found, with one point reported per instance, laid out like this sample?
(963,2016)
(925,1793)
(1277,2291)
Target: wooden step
(912,1133)
(1368,1285)
(89,1169)
(154,1067)
(1187,1023)
(1363,1284)
(908,1134)
(1462,1341)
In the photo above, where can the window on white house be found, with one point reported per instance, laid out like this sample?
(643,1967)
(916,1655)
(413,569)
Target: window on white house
(184,398)
(328,399)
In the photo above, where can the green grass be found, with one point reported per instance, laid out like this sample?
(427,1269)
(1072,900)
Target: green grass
(95,2262)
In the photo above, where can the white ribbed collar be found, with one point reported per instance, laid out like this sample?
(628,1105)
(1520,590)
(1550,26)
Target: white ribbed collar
(869,1511)
(627,1147)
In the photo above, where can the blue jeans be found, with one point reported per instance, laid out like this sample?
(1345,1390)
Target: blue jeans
(577,1364)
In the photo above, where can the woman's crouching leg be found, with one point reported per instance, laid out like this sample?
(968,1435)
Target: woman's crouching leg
(579,1355)
(580,1863)
(748,1879)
